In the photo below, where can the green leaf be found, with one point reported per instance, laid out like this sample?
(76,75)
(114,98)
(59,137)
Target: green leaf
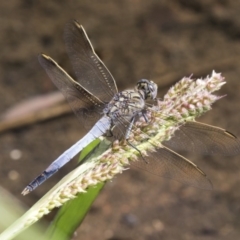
(70,216)
(10,210)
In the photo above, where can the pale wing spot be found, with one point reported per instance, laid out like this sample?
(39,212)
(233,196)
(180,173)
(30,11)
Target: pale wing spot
(100,69)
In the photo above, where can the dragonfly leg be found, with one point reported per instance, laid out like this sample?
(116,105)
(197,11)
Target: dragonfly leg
(129,128)
(127,138)
(145,117)
(109,133)
(136,150)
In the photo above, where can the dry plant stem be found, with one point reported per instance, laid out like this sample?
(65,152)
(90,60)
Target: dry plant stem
(185,101)
(34,117)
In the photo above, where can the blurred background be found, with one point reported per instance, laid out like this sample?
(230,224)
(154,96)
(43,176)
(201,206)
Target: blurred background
(159,40)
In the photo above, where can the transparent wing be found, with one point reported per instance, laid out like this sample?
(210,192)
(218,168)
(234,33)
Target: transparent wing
(87,107)
(168,164)
(205,139)
(91,72)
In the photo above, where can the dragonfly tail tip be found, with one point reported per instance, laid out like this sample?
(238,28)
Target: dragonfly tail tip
(25,191)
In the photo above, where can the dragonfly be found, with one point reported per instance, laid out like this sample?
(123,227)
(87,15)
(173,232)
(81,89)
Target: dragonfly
(98,104)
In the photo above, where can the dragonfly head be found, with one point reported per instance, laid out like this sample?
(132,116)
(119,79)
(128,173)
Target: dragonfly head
(149,88)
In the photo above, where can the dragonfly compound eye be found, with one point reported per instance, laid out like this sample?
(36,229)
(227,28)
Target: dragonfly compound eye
(148,87)
(152,90)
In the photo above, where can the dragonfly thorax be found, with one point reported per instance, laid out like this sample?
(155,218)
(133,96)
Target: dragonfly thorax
(125,104)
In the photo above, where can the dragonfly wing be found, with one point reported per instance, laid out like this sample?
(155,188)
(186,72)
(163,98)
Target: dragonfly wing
(166,163)
(87,107)
(205,139)
(91,72)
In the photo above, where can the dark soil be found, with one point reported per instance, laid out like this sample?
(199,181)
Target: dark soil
(160,40)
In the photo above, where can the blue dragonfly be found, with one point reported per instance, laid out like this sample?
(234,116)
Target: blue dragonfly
(95,100)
